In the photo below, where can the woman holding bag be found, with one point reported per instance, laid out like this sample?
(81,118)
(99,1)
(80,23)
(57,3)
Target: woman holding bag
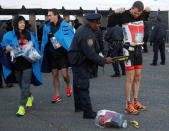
(24,71)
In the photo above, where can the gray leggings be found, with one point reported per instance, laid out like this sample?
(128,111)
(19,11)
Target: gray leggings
(24,80)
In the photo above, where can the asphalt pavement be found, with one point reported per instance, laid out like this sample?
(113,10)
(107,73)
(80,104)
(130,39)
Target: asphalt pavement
(106,93)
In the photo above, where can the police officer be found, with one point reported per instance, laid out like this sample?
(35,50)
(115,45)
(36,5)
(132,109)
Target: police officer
(146,36)
(82,54)
(99,48)
(114,36)
(158,38)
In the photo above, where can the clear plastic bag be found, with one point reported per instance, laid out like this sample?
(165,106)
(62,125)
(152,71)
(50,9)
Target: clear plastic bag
(16,52)
(30,53)
(107,118)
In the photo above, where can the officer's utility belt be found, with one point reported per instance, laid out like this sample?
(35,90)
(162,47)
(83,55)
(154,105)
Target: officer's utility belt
(159,40)
(114,43)
(117,41)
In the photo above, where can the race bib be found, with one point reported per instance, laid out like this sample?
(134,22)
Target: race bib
(139,38)
(133,33)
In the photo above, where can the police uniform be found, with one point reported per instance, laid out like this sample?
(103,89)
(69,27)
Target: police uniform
(99,48)
(114,36)
(158,38)
(146,36)
(82,55)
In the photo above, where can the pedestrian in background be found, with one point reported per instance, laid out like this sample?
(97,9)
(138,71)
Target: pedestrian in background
(146,37)
(158,37)
(114,36)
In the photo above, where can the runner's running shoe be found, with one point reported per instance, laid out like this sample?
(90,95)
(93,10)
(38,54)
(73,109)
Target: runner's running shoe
(29,102)
(139,106)
(130,109)
(69,91)
(56,99)
(21,111)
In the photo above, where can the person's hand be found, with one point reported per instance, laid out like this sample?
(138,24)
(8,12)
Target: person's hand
(120,10)
(109,60)
(147,9)
(8,48)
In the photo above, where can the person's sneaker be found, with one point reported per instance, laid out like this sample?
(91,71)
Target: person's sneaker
(69,91)
(139,106)
(21,111)
(130,109)
(29,102)
(89,115)
(56,99)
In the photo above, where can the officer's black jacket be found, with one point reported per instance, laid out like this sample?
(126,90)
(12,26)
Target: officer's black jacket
(125,17)
(158,33)
(82,47)
(146,29)
(114,34)
(99,38)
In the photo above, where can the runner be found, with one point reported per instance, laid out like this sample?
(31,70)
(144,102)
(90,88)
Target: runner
(133,31)
(56,40)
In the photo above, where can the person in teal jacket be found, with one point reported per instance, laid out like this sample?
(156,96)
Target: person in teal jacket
(56,40)
(24,71)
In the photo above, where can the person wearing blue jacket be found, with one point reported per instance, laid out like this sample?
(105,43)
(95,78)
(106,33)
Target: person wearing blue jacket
(24,71)
(56,40)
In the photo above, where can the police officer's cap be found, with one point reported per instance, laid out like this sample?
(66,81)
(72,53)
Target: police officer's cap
(92,16)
